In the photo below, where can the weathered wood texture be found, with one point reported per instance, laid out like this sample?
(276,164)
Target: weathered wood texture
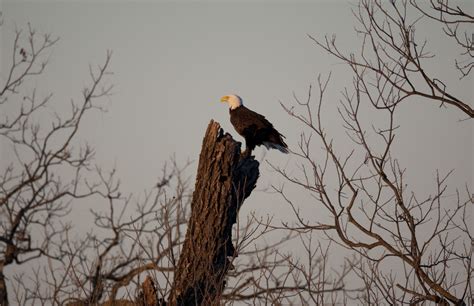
(224,180)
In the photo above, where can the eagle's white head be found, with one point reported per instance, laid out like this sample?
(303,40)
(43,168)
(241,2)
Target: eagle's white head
(234,101)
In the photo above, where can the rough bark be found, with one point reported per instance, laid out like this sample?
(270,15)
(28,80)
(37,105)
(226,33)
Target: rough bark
(8,259)
(3,288)
(224,180)
(148,294)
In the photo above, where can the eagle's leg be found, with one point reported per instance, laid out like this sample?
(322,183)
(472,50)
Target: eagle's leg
(248,149)
(247,153)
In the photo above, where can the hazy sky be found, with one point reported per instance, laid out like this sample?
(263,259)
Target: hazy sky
(172,62)
(171,65)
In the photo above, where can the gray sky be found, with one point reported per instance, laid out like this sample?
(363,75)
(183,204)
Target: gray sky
(172,63)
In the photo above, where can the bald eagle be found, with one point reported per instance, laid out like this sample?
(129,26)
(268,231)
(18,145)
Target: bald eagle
(253,127)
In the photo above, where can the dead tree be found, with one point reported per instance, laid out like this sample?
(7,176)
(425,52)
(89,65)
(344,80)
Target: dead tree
(224,180)
(414,249)
(43,170)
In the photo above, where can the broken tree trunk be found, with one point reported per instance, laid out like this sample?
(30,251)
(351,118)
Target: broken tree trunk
(224,180)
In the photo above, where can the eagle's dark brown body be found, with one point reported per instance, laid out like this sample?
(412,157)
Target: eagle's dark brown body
(256,130)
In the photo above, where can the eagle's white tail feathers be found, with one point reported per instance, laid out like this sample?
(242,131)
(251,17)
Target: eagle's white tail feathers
(270,145)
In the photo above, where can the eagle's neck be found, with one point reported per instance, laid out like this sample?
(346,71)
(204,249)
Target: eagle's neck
(234,102)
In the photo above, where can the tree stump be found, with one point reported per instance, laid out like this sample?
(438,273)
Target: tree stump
(224,180)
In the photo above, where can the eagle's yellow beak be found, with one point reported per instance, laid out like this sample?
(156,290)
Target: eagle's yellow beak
(225,99)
